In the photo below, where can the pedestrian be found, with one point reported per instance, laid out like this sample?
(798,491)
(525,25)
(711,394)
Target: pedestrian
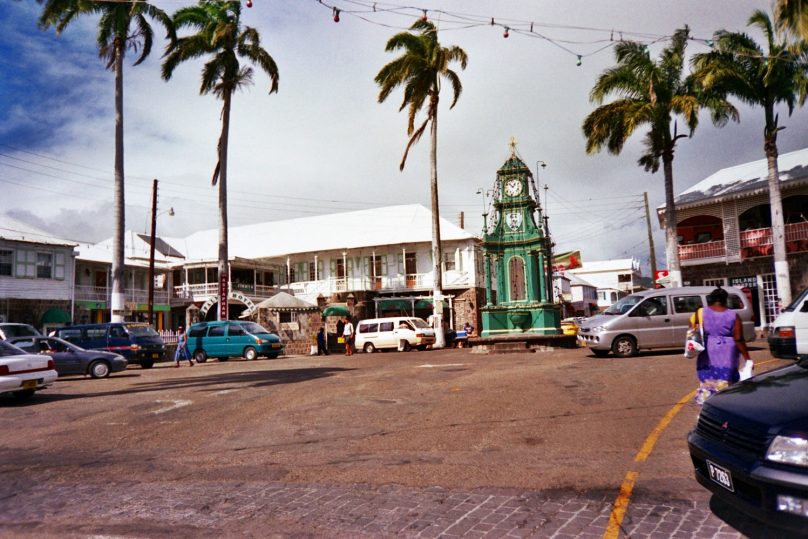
(349,335)
(717,365)
(182,349)
(321,342)
(468,328)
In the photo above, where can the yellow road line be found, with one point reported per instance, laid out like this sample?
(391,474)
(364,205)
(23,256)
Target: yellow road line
(621,503)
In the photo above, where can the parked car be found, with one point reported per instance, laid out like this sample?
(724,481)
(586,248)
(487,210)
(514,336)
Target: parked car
(655,319)
(230,338)
(72,359)
(750,446)
(21,373)
(789,335)
(398,332)
(136,341)
(8,330)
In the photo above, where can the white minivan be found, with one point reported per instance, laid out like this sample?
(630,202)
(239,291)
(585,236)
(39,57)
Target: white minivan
(398,332)
(789,335)
(655,319)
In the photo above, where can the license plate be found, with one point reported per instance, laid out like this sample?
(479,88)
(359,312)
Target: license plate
(29,384)
(155,356)
(720,475)
(276,345)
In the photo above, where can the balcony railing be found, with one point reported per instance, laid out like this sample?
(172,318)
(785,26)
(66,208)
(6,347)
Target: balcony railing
(758,241)
(710,249)
(132,295)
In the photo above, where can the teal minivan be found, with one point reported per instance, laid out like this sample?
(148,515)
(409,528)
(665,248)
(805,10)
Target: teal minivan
(232,338)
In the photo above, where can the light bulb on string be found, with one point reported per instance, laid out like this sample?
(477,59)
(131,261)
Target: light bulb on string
(505,34)
(424,18)
(336,15)
(249,3)
(579,61)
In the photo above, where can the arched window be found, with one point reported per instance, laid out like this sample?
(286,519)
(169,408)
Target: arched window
(516,274)
(795,209)
(700,229)
(756,217)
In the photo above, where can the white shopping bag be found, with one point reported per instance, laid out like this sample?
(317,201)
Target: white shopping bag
(746,370)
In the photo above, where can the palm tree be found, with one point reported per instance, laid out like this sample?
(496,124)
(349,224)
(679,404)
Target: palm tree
(123,25)
(419,70)
(793,14)
(738,66)
(650,93)
(221,37)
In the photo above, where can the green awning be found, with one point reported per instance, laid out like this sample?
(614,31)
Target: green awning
(427,304)
(55,316)
(400,304)
(336,309)
(91,305)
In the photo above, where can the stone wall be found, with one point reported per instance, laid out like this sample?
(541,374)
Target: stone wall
(466,308)
(296,341)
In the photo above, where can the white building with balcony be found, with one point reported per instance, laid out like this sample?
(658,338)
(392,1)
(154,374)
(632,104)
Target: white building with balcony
(613,279)
(725,236)
(36,275)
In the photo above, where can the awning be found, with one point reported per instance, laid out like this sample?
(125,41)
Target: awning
(397,303)
(336,309)
(426,303)
(55,316)
(91,305)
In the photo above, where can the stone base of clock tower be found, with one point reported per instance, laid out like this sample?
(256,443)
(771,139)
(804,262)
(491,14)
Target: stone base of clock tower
(528,319)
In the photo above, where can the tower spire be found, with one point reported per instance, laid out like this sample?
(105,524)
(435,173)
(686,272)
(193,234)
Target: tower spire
(513,142)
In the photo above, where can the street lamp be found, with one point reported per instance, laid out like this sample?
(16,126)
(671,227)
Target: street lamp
(152,241)
(481,191)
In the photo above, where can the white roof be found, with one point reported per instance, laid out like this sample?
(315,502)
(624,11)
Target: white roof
(136,250)
(15,230)
(390,225)
(746,177)
(597,266)
(577,281)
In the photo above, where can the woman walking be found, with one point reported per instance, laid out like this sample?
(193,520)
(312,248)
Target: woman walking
(717,365)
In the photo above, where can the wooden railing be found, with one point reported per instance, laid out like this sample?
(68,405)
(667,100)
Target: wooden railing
(695,251)
(758,241)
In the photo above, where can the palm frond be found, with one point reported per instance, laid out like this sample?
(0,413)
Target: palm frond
(416,136)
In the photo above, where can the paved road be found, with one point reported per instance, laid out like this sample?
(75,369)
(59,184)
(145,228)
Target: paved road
(421,444)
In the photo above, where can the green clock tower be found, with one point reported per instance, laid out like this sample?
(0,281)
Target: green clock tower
(516,250)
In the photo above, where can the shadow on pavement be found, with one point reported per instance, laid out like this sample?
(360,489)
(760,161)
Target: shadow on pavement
(204,383)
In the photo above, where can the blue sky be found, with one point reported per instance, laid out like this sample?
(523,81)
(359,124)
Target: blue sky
(323,144)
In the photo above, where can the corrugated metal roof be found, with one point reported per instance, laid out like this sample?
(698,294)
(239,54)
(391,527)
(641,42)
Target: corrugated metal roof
(15,230)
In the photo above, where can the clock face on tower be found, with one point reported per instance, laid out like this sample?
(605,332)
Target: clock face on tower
(513,188)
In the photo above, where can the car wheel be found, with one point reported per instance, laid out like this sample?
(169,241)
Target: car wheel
(600,353)
(25,394)
(99,369)
(369,348)
(200,356)
(146,364)
(624,346)
(250,354)
(405,346)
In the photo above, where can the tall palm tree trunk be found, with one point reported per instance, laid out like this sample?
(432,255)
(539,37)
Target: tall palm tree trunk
(437,257)
(117,299)
(671,245)
(781,273)
(224,276)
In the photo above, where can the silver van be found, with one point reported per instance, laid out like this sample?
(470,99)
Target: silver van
(655,319)
(398,332)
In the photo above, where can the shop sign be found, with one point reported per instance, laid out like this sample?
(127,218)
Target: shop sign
(744,282)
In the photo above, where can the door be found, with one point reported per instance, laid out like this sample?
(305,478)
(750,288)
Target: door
(216,341)
(237,340)
(118,341)
(653,323)
(67,361)
(404,331)
(684,305)
(411,270)
(387,336)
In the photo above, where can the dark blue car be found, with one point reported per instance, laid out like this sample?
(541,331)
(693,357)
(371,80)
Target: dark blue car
(750,446)
(137,342)
(71,359)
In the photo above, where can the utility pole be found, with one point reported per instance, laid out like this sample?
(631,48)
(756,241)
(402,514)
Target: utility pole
(650,239)
(151,249)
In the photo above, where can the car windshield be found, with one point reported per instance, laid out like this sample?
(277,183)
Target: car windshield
(419,323)
(255,329)
(7,349)
(797,303)
(141,330)
(624,305)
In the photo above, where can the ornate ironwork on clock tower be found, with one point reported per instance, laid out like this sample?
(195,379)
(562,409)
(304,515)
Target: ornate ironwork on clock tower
(517,251)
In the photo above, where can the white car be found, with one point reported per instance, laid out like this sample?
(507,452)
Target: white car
(21,373)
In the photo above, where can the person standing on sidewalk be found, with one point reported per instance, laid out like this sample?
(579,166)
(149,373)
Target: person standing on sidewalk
(349,335)
(182,349)
(321,342)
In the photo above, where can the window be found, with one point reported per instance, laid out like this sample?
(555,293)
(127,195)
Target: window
(216,331)
(6,260)
(686,304)
(286,318)
(117,332)
(97,333)
(26,264)
(368,328)
(386,326)
(720,281)
(410,266)
(70,335)
(198,331)
(602,295)
(624,278)
(656,306)
(234,330)
(449,261)
(734,302)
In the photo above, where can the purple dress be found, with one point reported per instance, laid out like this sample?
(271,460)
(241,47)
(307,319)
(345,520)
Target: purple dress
(717,365)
